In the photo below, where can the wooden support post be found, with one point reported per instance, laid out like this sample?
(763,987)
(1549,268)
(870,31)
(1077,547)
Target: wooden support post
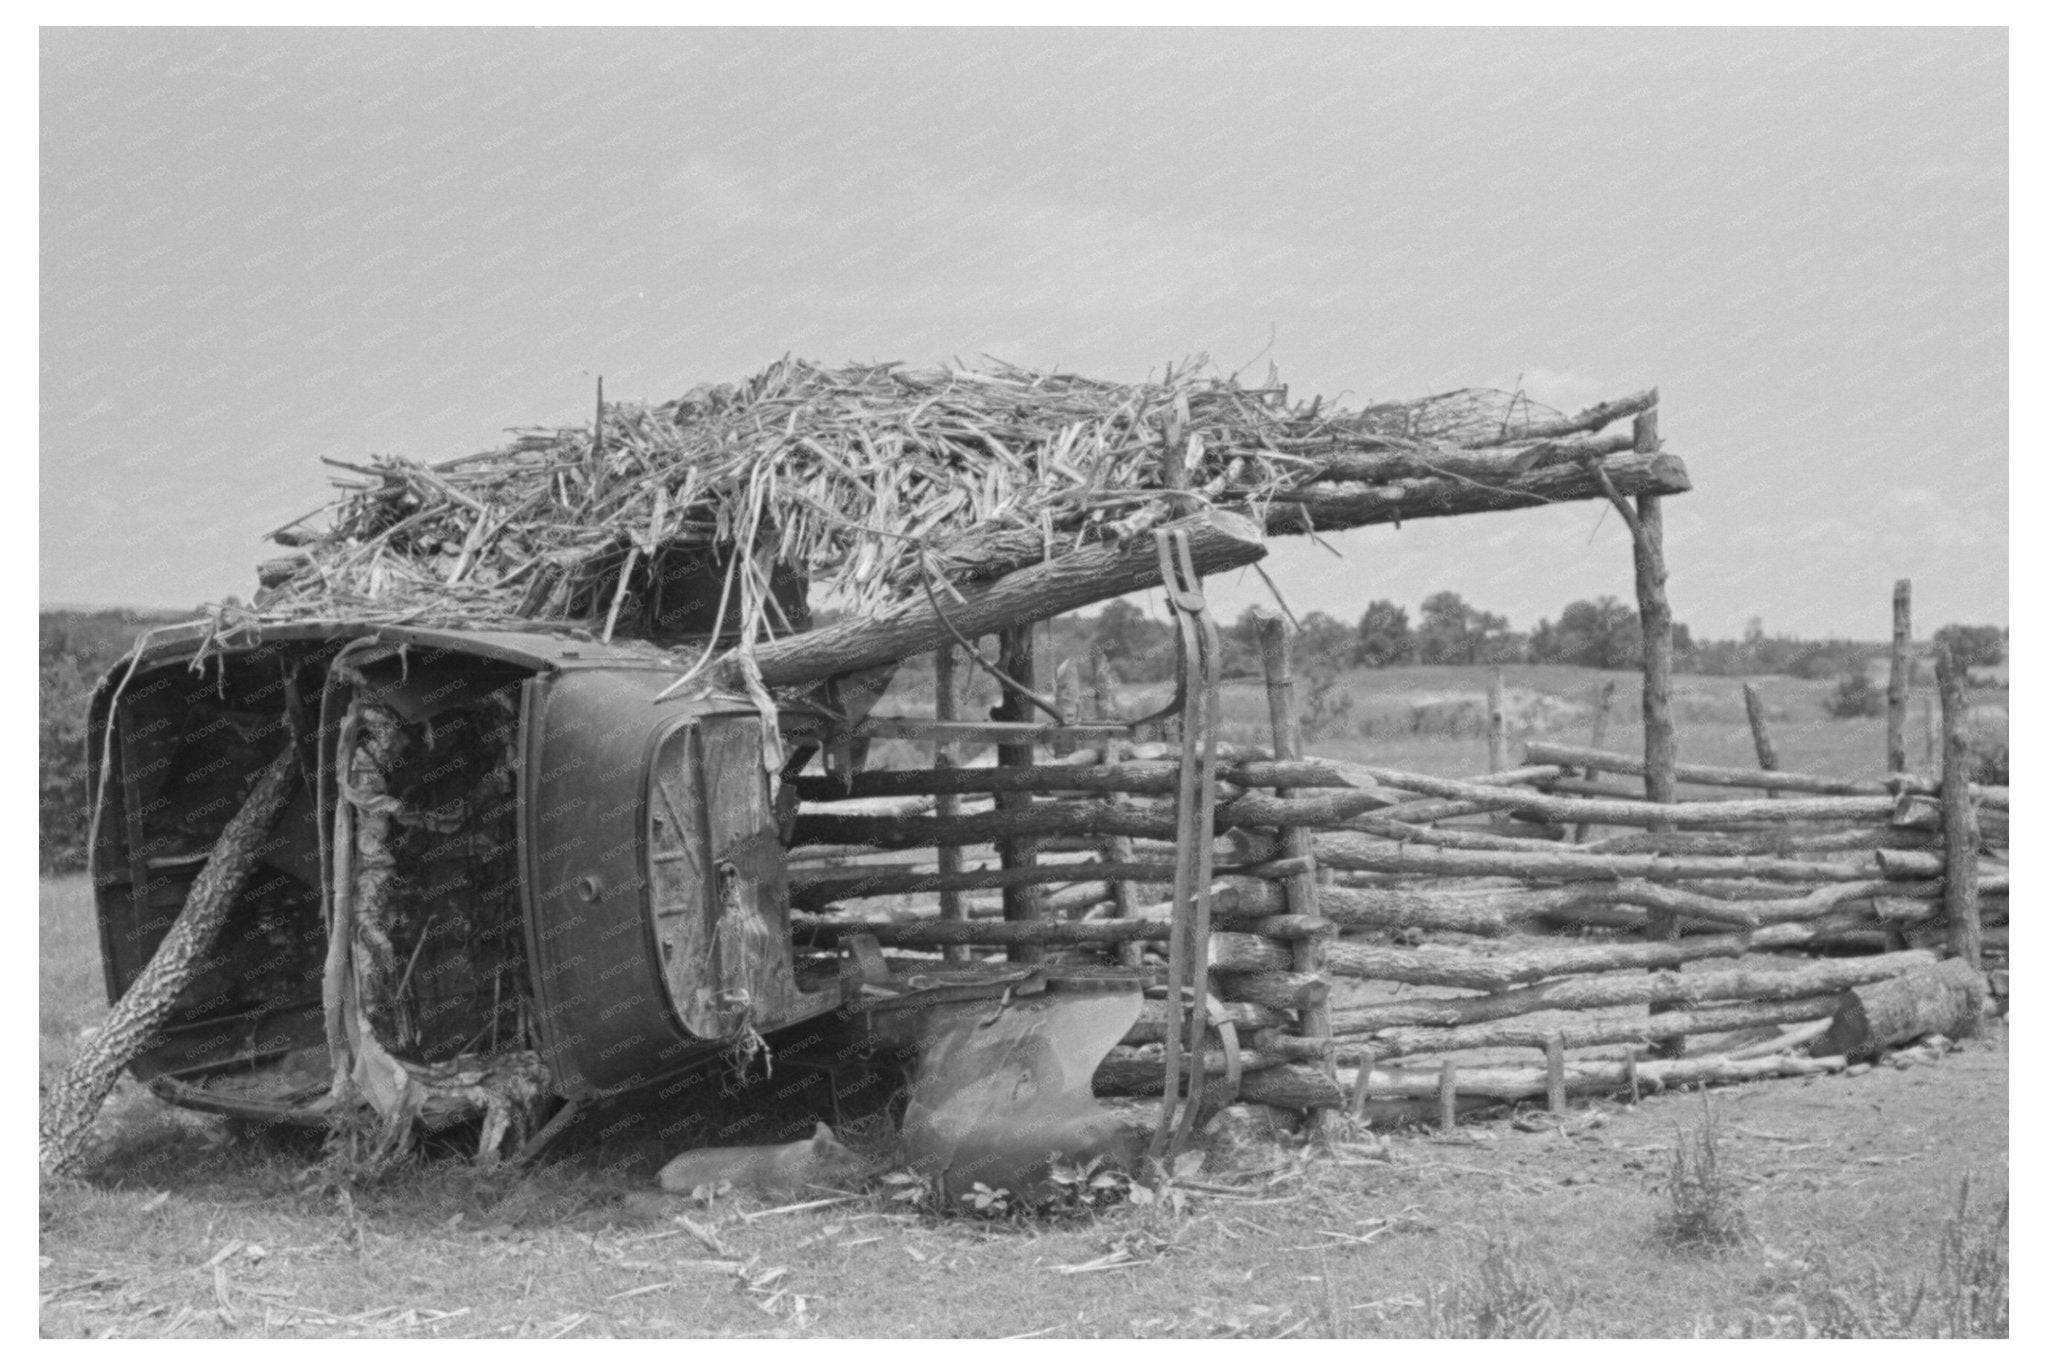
(1276,650)
(1902,666)
(1020,902)
(1635,1084)
(1553,1068)
(1118,848)
(1356,1107)
(1958,814)
(1646,534)
(1760,732)
(1601,709)
(1930,737)
(1447,1097)
(946,706)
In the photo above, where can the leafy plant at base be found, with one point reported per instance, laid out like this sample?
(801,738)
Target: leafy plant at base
(1502,1298)
(1706,1208)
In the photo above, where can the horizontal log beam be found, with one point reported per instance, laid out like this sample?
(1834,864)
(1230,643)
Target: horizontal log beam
(1609,990)
(1402,1042)
(1521,1083)
(1677,814)
(1359,853)
(1323,509)
(1217,542)
(1706,775)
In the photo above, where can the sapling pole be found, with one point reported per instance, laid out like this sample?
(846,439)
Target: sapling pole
(1601,708)
(946,707)
(1897,690)
(1760,732)
(1018,662)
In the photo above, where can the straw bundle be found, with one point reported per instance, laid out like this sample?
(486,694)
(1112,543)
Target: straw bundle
(874,485)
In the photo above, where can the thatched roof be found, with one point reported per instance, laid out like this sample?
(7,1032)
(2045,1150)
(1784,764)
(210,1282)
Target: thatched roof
(874,481)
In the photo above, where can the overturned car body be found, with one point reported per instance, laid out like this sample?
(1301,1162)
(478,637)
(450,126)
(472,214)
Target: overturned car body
(514,878)
(508,874)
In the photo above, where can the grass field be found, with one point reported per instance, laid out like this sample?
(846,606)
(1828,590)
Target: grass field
(190,1227)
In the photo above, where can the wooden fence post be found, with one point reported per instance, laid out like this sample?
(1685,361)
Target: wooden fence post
(1017,662)
(1958,814)
(1496,723)
(1276,651)
(1902,665)
(946,706)
(1660,739)
(1601,708)
(1760,732)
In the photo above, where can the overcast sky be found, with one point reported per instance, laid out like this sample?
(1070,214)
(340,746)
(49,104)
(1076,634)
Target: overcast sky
(264,247)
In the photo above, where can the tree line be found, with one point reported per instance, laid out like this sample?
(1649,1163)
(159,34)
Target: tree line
(1601,633)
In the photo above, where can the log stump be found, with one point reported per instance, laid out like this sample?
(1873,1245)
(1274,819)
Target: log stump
(1947,998)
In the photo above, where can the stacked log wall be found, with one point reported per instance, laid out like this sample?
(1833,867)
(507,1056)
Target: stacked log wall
(1541,940)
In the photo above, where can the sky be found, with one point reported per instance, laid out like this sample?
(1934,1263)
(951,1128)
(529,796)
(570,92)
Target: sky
(264,247)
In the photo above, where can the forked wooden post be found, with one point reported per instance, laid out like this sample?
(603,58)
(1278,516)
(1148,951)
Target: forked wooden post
(1958,814)
(1553,1071)
(1760,732)
(1660,738)
(946,706)
(1276,651)
(1018,663)
(1901,680)
(1447,1096)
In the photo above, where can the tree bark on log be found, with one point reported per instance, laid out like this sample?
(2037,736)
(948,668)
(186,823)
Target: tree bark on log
(1896,690)
(1276,990)
(67,1112)
(1566,809)
(1945,997)
(1150,777)
(809,890)
(1217,541)
(1783,842)
(1453,967)
(1651,1028)
(1246,1016)
(1610,990)
(1285,1085)
(1707,775)
(1520,1083)
(1324,509)
(1358,853)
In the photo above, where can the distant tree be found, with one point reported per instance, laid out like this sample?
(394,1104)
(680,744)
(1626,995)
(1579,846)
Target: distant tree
(1323,641)
(1383,636)
(1855,695)
(1973,646)
(1443,635)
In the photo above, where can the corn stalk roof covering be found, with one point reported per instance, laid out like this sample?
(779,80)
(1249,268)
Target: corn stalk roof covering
(878,480)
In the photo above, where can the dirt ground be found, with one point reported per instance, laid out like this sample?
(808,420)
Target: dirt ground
(193,1231)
